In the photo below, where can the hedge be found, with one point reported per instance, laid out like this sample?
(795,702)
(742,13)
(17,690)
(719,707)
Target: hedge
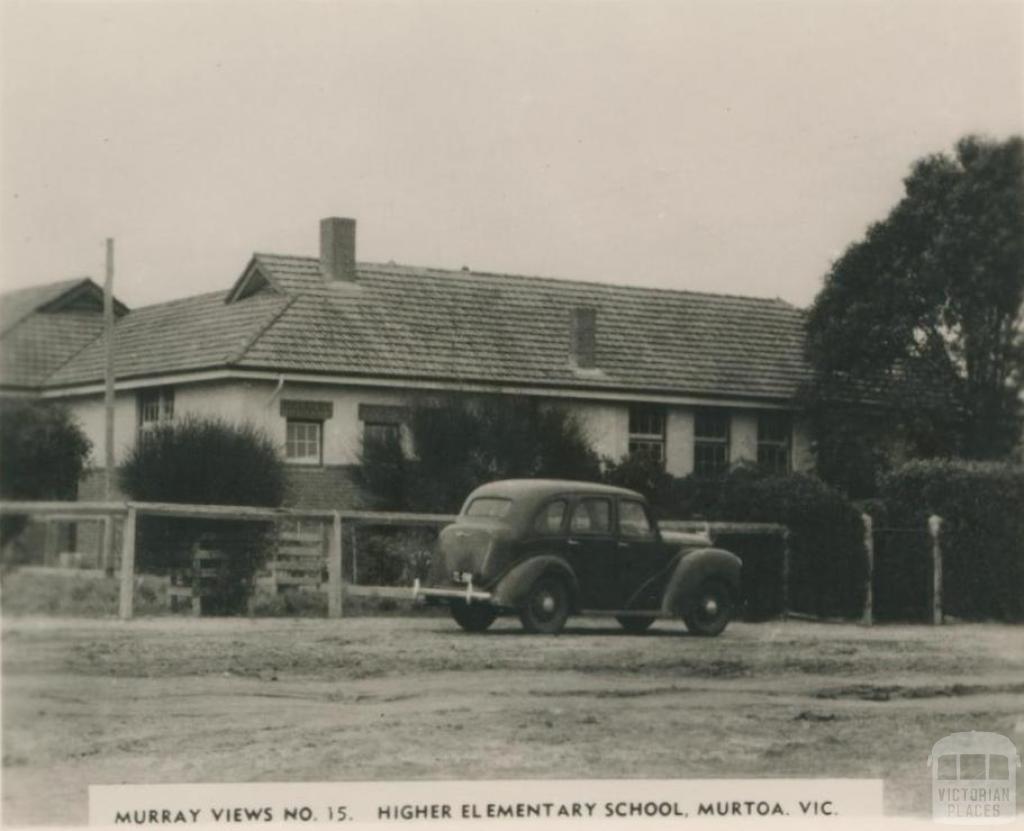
(827,560)
(982,536)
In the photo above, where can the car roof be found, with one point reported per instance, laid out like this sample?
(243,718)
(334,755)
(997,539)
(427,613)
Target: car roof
(542,488)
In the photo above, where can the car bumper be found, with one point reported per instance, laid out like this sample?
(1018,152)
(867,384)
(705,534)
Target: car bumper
(468,594)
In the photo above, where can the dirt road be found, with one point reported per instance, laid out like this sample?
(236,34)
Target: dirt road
(190,700)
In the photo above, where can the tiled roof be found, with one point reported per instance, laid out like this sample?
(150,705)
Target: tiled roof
(43,326)
(42,343)
(18,304)
(197,332)
(400,322)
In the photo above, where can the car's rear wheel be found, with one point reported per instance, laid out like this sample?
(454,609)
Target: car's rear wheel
(635,623)
(711,609)
(546,607)
(473,617)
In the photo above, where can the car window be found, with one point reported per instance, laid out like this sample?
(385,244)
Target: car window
(549,519)
(592,516)
(633,521)
(490,506)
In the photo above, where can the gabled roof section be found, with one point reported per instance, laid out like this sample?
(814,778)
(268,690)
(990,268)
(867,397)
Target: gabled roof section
(410,322)
(199,332)
(78,294)
(253,280)
(401,323)
(44,326)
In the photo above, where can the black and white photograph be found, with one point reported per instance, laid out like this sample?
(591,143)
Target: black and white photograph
(528,413)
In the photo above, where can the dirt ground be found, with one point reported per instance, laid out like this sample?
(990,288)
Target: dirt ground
(212,700)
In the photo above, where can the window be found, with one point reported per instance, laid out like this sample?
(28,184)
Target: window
(647,432)
(489,506)
(998,767)
(773,442)
(711,442)
(947,767)
(155,406)
(633,520)
(972,766)
(592,516)
(303,442)
(549,520)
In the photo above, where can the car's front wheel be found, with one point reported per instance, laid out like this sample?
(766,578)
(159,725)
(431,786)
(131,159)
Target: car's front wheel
(711,609)
(473,617)
(635,624)
(546,607)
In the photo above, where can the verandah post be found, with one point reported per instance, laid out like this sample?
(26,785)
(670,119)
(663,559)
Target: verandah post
(869,579)
(335,584)
(127,593)
(934,529)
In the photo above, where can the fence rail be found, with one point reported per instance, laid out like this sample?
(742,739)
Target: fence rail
(294,568)
(299,559)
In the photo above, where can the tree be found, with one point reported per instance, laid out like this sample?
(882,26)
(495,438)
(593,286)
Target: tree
(206,462)
(42,455)
(460,443)
(918,325)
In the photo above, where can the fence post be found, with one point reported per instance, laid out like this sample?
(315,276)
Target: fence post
(127,594)
(934,527)
(869,580)
(107,552)
(785,573)
(335,587)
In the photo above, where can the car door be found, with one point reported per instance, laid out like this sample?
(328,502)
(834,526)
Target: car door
(547,533)
(639,557)
(590,549)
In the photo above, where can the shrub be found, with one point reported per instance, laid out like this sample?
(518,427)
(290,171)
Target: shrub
(982,533)
(42,456)
(827,562)
(206,462)
(646,476)
(393,556)
(827,559)
(461,443)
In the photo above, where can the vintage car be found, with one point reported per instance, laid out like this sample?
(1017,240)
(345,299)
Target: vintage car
(548,549)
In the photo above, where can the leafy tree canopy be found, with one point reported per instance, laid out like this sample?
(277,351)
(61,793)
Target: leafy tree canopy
(923,315)
(42,455)
(458,443)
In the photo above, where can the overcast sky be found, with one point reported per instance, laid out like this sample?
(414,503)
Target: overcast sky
(729,146)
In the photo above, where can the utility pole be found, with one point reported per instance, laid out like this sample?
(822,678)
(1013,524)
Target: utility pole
(108,323)
(108,402)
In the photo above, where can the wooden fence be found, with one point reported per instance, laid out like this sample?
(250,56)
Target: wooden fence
(294,563)
(300,555)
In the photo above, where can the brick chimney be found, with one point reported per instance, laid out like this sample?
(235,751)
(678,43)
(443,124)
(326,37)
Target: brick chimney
(583,337)
(338,249)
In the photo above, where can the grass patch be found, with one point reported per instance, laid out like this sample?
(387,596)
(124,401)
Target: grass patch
(31,591)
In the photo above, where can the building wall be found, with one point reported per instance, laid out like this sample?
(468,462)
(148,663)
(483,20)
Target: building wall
(679,441)
(259,403)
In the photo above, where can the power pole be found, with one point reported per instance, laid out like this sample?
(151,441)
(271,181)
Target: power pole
(108,402)
(108,322)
